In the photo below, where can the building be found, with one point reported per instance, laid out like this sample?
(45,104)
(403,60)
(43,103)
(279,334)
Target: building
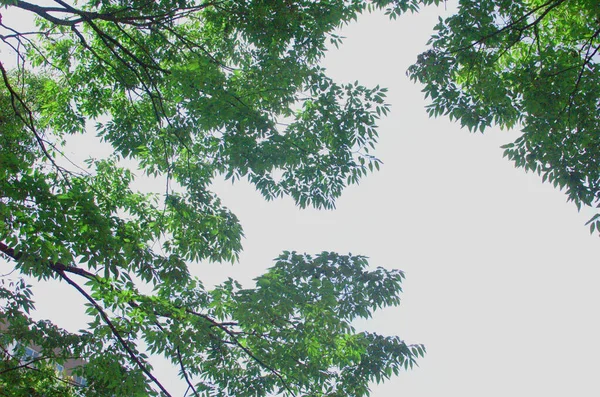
(31,354)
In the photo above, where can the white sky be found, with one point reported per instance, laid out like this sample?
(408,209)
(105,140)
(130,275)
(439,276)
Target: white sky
(501,272)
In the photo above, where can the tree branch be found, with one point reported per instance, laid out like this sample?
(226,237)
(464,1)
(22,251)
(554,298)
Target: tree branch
(513,24)
(44,13)
(184,372)
(62,269)
(28,120)
(33,361)
(248,352)
(132,355)
(56,266)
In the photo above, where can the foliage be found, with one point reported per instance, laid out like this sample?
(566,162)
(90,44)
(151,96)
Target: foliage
(526,63)
(22,375)
(188,90)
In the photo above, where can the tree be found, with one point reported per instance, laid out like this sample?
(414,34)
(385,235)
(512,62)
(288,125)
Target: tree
(186,91)
(531,64)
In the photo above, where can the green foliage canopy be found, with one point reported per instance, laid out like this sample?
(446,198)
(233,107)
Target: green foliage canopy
(187,90)
(532,64)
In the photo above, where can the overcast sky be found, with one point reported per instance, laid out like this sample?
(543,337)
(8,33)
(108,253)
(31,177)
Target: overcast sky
(501,273)
(502,276)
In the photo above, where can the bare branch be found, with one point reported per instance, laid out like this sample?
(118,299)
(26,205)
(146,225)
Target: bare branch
(44,12)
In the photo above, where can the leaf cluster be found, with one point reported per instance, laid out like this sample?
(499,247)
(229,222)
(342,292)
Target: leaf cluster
(531,64)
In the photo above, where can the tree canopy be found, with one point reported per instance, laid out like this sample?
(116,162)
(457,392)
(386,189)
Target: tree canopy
(528,64)
(186,91)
